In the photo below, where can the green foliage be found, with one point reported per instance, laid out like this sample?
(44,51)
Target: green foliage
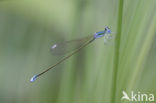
(97,74)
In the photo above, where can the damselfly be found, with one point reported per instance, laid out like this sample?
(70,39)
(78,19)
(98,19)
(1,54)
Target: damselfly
(59,48)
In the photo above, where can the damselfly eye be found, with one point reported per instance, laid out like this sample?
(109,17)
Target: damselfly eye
(107,29)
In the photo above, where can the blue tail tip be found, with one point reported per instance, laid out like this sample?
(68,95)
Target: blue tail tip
(33,78)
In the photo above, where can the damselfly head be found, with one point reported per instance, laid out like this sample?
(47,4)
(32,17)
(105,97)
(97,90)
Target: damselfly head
(107,30)
(100,34)
(108,35)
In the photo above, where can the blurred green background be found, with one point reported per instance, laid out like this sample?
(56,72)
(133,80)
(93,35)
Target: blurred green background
(98,73)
